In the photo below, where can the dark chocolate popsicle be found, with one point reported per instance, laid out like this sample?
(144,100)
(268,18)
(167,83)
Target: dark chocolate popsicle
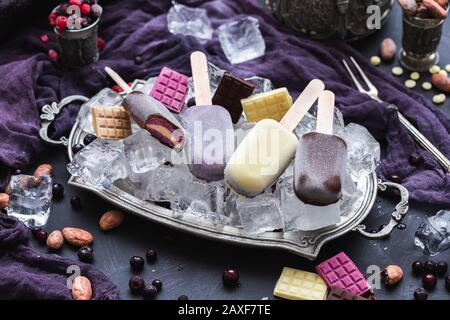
(321,159)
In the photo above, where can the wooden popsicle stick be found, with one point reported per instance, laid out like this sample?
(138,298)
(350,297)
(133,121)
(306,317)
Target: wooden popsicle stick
(302,105)
(325,112)
(117,79)
(200,75)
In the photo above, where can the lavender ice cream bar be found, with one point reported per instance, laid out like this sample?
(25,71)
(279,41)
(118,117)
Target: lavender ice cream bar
(211,140)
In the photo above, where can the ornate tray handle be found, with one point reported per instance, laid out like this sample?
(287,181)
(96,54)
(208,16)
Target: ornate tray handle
(49,113)
(397,216)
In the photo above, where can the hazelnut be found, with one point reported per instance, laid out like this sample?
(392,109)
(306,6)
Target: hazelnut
(392,274)
(388,49)
(55,240)
(4,200)
(43,169)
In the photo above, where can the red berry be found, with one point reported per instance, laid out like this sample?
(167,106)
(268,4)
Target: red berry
(100,43)
(117,89)
(53,55)
(61,23)
(85,8)
(130,84)
(52,18)
(44,38)
(76,3)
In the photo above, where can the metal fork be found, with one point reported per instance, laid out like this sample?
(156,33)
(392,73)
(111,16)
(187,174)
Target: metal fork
(419,137)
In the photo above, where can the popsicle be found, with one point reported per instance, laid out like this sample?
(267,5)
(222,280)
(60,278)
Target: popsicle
(151,115)
(321,159)
(209,126)
(269,147)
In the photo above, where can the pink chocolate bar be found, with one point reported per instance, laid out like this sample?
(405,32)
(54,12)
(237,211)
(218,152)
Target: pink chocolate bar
(339,271)
(171,89)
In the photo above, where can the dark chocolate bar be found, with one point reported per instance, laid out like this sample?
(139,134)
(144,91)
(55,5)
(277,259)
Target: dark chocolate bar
(230,92)
(341,294)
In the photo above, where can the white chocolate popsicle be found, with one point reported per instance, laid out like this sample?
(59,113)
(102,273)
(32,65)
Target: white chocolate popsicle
(269,147)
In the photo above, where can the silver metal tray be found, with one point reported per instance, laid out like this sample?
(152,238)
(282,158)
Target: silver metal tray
(306,244)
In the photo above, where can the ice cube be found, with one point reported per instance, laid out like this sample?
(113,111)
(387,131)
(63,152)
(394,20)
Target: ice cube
(259,214)
(186,194)
(309,121)
(307,124)
(241,40)
(144,153)
(230,209)
(300,216)
(96,161)
(165,183)
(363,150)
(198,197)
(433,235)
(261,84)
(189,21)
(30,199)
(350,194)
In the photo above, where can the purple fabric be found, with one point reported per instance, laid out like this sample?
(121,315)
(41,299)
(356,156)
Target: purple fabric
(29,274)
(138,28)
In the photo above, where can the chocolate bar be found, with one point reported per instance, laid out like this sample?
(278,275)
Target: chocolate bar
(341,294)
(296,284)
(268,105)
(171,89)
(111,123)
(339,271)
(230,92)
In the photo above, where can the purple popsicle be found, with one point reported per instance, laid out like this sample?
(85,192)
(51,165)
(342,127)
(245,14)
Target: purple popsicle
(210,127)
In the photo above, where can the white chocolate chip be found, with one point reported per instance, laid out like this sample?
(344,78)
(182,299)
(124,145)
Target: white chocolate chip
(447,67)
(410,83)
(397,71)
(375,60)
(434,69)
(427,85)
(439,98)
(414,75)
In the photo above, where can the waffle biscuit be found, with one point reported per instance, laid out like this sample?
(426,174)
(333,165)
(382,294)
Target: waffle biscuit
(111,123)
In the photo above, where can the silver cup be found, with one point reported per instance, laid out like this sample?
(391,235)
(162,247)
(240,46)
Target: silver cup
(78,46)
(421,38)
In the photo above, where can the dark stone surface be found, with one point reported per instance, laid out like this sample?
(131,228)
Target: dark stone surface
(193,266)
